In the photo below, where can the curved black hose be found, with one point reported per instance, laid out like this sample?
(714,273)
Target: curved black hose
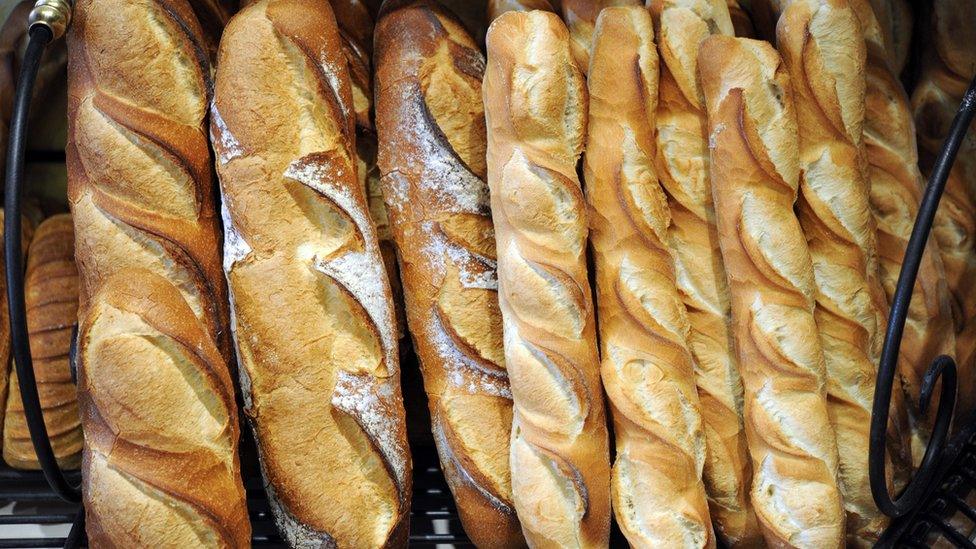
(943,367)
(39,37)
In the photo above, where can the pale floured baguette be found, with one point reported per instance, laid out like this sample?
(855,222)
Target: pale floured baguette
(497,7)
(683,166)
(431,126)
(51,297)
(160,466)
(948,67)
(535,105)
(647,368)
(313,314)
(754,174)
(896,187)
(580,17)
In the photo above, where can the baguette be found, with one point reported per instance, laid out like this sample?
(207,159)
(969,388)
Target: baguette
(160,466)
(896,187)
(824,50)
(580,17)
(430,121)
(140,183)
(319,368)
(948,68)
(656,483)
(754,174)
(535,107)
(498,7)
(52,310)
(682,162)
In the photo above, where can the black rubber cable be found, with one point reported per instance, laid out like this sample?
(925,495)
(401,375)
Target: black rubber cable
(943,367)
(39,37)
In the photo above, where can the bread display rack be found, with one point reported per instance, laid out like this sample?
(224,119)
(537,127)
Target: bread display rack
(939,503)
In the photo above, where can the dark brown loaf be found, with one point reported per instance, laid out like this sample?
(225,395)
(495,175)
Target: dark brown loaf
(431,126)
(160,463)
(535,107)
(139,172)
(51,287)
(312,310)
(683,167)
(754,173)
(647,367)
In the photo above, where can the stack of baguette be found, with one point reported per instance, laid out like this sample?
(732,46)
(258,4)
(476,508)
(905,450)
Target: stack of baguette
(620,214)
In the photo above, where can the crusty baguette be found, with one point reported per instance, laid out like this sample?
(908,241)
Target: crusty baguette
(498,7)
(896,187)
(312,311)
(682,164)
(51,288)
(140,182)
(535,106)
(160,466)
(754,173)
(431,126)
(580,17)
(824,50)
(948,67)
(656,484)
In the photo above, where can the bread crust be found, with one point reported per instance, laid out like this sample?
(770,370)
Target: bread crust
(580,18)
(312,309)
(51,286)
(535,107)
(683,166)
(754,173)
(160,465)
(430,122)
(947,69)
(140,183)
(851,304)
(656,484)
(896,187)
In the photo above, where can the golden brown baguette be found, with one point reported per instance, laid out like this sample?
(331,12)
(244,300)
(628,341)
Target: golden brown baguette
(160,464)
(823,49)
(51,287)
(647,367)
(948,67)
(896,187)
(431,125)
(498,7)
(535,105)
(139,176)
(683,166)
(312,310)
(580,17)
(754,173)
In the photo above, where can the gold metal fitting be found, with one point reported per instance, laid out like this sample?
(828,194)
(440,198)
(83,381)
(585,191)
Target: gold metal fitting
(53,14)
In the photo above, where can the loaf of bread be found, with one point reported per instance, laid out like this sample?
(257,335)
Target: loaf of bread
(51,289)
(896,187)
(140,179)
(498,7)
(312,310)
(948,67)
(580,17)
(431,126)
(823,49)
(754,173)
(535,106)
(683,167)
(160,466)
(647,367)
